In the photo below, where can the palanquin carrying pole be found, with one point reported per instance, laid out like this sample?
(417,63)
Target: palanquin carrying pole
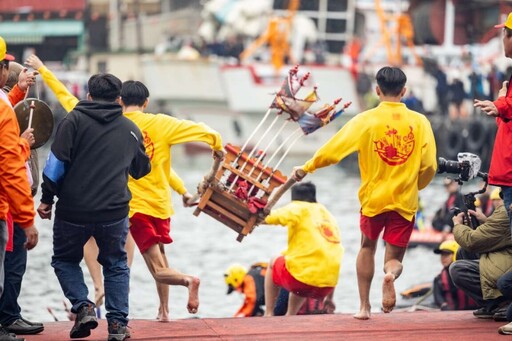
(240,190)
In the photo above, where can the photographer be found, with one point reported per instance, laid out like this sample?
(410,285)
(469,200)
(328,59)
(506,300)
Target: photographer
(442,220)
(478,278)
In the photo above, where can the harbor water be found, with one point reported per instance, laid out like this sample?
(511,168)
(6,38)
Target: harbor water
(204,247)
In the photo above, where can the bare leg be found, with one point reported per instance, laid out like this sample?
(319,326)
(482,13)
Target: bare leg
(271,290)
(91,260)
(365,266)
(165,275)
(163,293)
(294,304)
(392,269)
(130,248)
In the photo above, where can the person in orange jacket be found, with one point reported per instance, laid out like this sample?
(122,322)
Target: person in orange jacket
(251,285)
(15,261)
(14,184)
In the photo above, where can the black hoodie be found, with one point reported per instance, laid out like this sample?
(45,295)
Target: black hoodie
(94,150)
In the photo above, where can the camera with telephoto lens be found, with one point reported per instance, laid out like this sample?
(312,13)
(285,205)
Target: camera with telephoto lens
(467,167)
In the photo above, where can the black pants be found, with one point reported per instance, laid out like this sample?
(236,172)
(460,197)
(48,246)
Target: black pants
(466,276)
(15,265)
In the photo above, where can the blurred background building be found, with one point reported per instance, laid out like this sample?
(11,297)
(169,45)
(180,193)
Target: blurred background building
(64,30)
(216,52)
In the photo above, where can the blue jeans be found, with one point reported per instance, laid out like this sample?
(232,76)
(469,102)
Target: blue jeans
(3,244)
(506,191)
(15,264)
(68,250)
(505,286)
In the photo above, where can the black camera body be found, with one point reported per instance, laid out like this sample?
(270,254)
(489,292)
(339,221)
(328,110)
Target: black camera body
(454,167)
(467,167)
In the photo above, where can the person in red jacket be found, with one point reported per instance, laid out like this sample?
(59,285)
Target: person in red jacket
(500,170)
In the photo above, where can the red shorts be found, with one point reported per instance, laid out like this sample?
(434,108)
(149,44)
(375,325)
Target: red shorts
(284,279)
(148,231)
(397,229)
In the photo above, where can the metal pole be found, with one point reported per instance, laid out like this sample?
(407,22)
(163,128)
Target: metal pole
(268,146)
(277,151)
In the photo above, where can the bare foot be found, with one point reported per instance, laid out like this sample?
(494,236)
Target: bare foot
(363,314)
(193,295)
(163,314)
(388,293)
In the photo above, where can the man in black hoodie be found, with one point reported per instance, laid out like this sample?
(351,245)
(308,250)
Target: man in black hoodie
(94,150)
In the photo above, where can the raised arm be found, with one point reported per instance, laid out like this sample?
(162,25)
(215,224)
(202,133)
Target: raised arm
(66,98)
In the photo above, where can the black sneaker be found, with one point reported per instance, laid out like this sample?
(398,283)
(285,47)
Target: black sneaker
(117,332)
(483,313)
(21,327)
(85,321)
(6,336)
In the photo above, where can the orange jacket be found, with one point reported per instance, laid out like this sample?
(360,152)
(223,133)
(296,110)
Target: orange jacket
(15,191)
(253,289)
(15,95)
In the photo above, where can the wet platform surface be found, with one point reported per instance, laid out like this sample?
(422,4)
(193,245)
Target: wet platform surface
(459,325)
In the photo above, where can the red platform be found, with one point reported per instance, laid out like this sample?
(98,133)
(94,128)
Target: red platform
(417,326)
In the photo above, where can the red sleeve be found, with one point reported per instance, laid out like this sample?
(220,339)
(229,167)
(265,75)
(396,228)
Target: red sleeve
(14,183)
(16,95)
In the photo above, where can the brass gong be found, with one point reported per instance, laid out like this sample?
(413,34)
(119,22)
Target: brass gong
(38,114)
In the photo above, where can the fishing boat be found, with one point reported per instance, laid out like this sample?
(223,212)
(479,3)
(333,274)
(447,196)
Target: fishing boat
(429,238)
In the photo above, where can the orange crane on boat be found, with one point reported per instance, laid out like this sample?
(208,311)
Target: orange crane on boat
(277,37)
(395,29)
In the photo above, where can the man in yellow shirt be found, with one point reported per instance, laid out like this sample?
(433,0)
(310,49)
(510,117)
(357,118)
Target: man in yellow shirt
(310,265)
(163,175)
(397,158)
(150,207)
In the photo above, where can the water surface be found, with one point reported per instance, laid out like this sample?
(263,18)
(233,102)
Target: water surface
(205,247)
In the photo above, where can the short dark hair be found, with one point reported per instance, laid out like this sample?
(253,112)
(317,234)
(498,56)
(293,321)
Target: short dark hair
(508,32)
(104,87)
(391,80)
(305,191)
(134,93)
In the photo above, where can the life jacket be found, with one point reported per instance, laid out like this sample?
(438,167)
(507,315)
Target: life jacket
(257,272)
(455,297)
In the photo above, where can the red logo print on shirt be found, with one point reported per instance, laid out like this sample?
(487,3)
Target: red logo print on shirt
(327,231)
(148,144)
(394,149)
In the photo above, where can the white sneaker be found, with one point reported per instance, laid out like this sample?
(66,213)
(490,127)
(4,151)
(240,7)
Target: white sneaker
(506,329)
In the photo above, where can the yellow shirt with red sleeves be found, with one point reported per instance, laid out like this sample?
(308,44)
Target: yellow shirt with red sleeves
(314,250)
(151,194)
(397,157)
(14,185)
